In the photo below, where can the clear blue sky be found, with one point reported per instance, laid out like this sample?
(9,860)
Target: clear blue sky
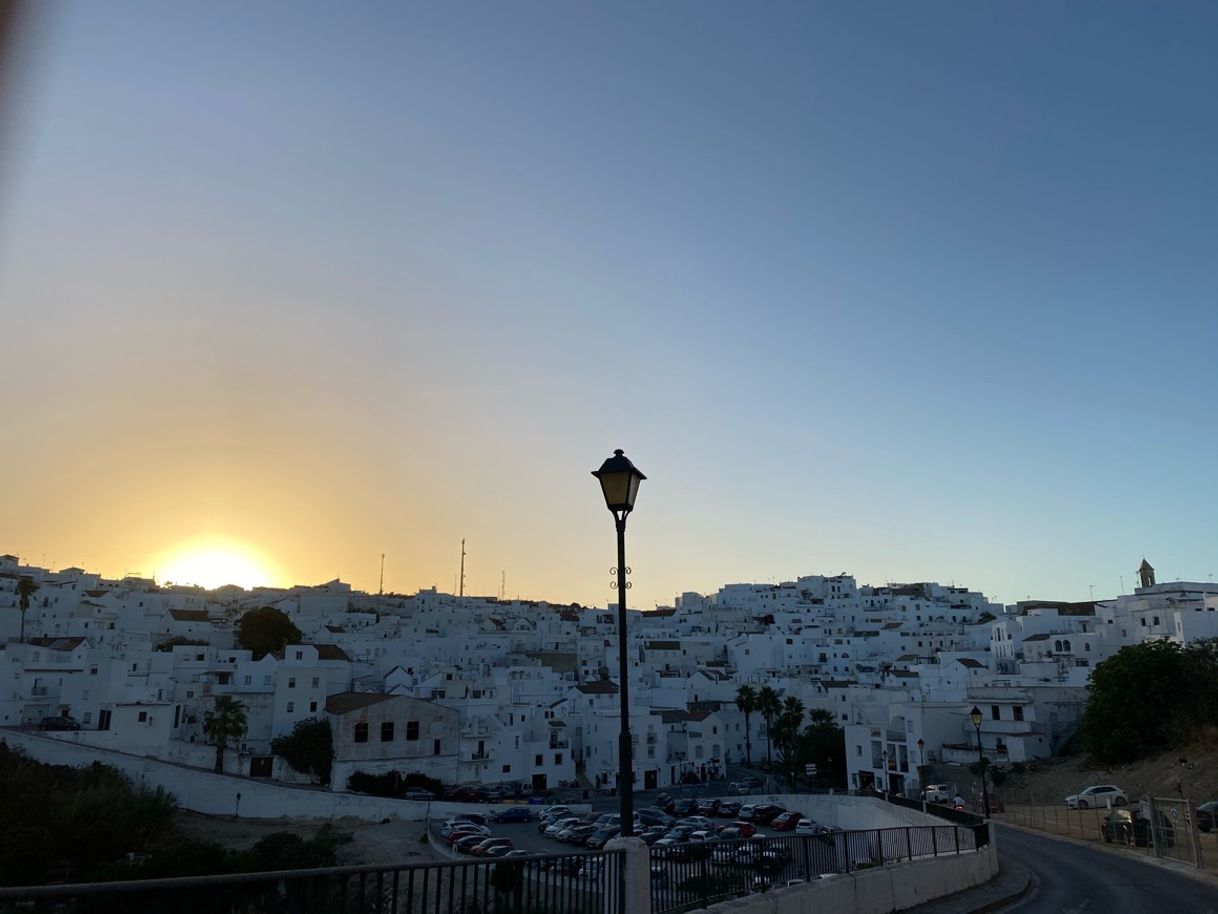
(916,291)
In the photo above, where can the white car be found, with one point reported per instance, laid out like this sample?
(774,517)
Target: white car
(740,788)
(468,827)
(554,828)
(1098,796)
(554,812)
(747,812)
(805,827)
(699,822)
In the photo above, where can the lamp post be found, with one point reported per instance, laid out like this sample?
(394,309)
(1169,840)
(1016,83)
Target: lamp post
(975,717)
(619,481)
(885,757)
(921,765)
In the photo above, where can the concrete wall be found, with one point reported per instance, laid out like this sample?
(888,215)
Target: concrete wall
(216,794)
(876,891)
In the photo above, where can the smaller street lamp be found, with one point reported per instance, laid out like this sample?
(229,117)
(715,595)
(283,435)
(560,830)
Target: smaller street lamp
(921,763)
(975,717)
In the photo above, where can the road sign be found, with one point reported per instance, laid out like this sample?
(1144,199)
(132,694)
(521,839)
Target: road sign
(809,769)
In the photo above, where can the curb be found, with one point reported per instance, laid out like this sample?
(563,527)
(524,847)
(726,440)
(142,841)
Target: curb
(1022,892)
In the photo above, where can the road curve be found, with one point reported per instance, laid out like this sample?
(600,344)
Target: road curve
(1074,879)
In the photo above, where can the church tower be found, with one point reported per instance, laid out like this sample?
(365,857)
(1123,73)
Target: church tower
(1146,573)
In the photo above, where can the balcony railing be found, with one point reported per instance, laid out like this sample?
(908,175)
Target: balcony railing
(584,883)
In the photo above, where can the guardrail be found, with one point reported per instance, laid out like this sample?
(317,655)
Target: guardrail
(588,883)
(689,876)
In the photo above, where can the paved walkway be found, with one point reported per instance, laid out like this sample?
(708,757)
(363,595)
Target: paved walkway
(1013,882)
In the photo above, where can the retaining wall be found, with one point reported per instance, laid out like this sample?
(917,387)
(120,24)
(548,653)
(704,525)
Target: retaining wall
(876,891)
(216,794)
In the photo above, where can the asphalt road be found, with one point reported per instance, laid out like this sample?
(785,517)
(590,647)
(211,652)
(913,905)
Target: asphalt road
(1074,879)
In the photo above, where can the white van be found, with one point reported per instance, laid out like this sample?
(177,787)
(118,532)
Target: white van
(940,793)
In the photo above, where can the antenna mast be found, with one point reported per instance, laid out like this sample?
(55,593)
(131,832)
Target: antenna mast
(461,592)
(380,588)
(502,584)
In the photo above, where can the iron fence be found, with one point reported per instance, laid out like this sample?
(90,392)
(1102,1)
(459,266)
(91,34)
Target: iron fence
(579,883)
(688,876)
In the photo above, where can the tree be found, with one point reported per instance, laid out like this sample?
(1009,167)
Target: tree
(223,724)
(746,701)
(26,588)
(309,748)
(1147,697)
(770,707)
(824,745)
(265,631)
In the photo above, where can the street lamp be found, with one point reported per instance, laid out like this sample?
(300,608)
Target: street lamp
(921,764)
(619,481)
(885,771)
(975,717)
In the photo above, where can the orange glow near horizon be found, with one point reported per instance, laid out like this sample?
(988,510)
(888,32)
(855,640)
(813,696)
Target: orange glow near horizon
(215,562)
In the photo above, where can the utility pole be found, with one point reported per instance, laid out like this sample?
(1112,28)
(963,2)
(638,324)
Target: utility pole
(461,591)
(380,588)
(502,583)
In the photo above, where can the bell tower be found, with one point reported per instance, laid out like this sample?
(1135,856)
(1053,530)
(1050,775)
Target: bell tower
(1146,573)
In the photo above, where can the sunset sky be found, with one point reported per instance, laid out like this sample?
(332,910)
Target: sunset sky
(914,291)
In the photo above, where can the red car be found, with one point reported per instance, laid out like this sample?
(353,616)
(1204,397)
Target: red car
(786,821)
(747,829)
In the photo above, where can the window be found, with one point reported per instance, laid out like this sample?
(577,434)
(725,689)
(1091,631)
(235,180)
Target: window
(995,712)
(412,730)
(558,758)
(858,750)
(249,680)
(300,655)
(507,769)
(92,669)
(1017,712)
(387,732)
(1154,621)
(143,717)
(435,747)
(316,682)
(266,680)
(538,761)
(312,706)
(291,682)
(361,732)
(291,707)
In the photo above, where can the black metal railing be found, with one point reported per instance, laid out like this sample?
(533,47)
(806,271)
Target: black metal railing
(689,876)
(583,883)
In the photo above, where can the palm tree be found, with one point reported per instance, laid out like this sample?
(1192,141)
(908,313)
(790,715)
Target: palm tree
(770,707)
(225,722)
(746,701)
(26,588)
(820,717)
(794,707)
(786,735)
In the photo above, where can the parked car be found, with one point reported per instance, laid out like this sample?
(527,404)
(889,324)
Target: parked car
(1099,795)
(786,821)
(515,814)
(1120,825)
(422,796)
(655,816)
(731,833)
(746,812)
(652,834)
(482,848)
(467,844)
(740,788)
(558,825)
(708,807)
(58,723)
(455,836)
(579,834)
(474,817)
(729,809)
(766,813)
(554,812)
(1206,814)
(468,828)
(698,822)
(602,836)
(680,833)
(504,850)
(805,827)
(747,829)
(684,808)
(940,793)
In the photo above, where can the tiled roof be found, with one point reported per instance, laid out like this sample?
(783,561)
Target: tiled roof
(600,687)
(330,652)
(346,702)
(189,615)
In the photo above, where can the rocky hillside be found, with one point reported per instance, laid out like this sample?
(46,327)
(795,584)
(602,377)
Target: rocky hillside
(1189,772)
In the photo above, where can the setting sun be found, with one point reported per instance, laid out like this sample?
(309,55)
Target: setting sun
(214,563)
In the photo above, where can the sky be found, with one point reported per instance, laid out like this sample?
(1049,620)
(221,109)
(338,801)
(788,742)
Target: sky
(912,291)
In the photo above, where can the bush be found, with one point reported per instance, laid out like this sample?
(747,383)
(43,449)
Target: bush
(309,748)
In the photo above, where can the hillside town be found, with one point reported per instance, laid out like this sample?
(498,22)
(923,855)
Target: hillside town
(479,690)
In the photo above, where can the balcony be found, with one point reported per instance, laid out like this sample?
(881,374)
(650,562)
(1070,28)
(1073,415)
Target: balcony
(964,754)
(39,691)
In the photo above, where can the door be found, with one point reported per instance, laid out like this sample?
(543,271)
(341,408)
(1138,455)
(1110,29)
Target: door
(650,779)
(261,766)
(539,782)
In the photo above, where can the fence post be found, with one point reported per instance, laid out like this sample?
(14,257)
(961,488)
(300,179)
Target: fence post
(1153,827)
(934,839)
(636,875)
(956,833)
